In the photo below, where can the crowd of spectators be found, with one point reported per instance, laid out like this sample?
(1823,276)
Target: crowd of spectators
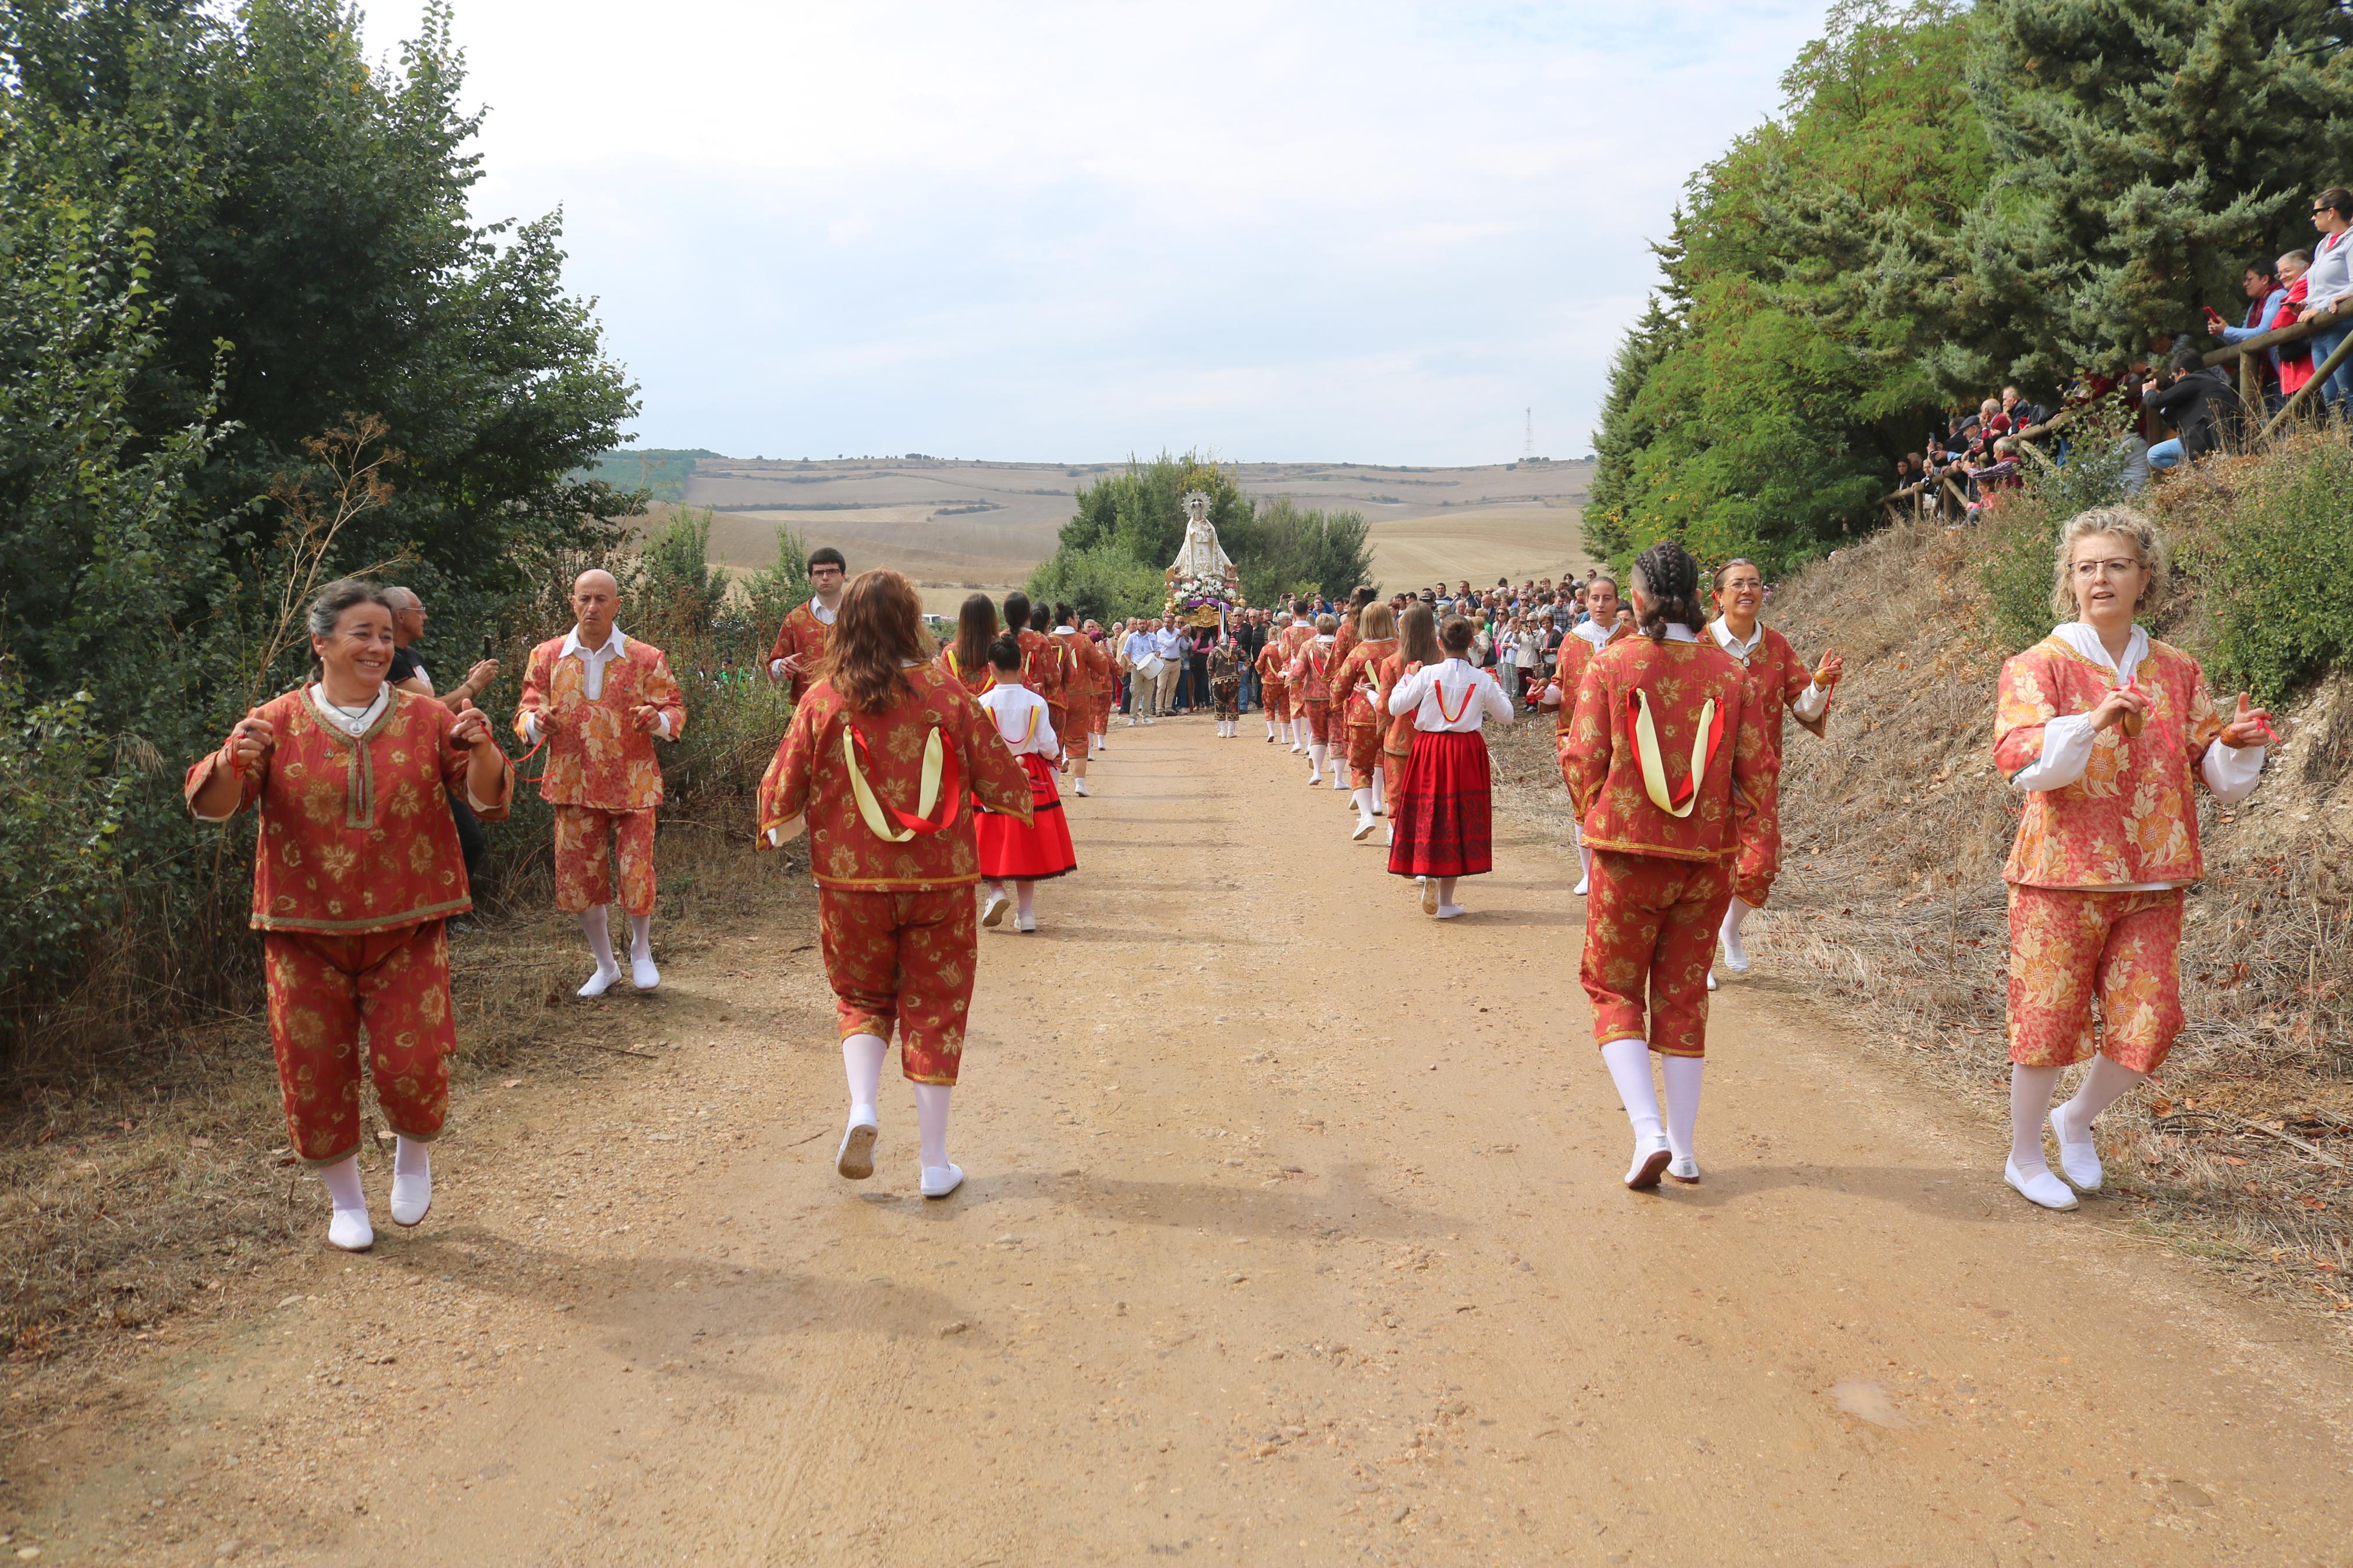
(2179,408)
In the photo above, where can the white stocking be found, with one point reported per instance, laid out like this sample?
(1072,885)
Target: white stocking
(1683,1075)
(343,1184)
(1445,892)
(599,930)
(1380,794)
(2100,1089)
(861,1059)
(2029,1101)
(1364,799)
(641,936)
(1315,756)
(932,1123)
(1025,896)
(1629,1062)
(1737,912)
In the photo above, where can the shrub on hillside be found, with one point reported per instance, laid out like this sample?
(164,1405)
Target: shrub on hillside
(2266,540)
(2022,530)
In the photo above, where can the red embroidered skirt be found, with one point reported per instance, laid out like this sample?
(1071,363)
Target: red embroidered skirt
(1444,820)
(1011,852)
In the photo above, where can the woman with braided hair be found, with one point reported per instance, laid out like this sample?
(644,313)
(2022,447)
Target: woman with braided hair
(1671,772)
(1444,813)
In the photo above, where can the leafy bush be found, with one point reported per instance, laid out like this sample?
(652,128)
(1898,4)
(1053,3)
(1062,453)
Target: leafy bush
(2020,533)
(62,808)
(2265,541)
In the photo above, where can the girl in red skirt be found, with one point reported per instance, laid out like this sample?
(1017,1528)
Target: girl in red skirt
(1443,818)
(1024,853)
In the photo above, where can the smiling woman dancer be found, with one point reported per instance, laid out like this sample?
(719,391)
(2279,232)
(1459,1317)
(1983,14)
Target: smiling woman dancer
(356,869)
(1444,809)
(2104,728)
(876,766)
(1785,686)
(1671,773)
(1584,640)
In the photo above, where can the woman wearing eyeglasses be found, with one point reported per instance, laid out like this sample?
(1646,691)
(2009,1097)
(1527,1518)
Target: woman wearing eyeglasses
(2104,728)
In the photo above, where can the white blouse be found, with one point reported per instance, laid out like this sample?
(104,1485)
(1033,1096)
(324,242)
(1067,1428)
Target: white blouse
(1021,718)
(2231,772)
(1455,687)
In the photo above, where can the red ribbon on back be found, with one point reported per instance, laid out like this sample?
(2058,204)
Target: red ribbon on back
(1715,739)
(951,800)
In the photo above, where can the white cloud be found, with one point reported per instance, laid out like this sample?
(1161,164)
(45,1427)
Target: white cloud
(1368,230)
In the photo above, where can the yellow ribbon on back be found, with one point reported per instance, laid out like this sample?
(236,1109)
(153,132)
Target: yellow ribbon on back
(1654,770)
(870,808)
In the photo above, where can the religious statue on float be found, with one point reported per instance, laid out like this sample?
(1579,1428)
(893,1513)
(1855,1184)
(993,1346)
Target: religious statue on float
(1203,580)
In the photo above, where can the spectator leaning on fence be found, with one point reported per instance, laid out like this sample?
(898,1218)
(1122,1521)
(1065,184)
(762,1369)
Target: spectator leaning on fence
(2330,280)
(2266,295)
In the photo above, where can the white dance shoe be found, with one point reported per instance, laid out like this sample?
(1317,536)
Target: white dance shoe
(855,1160)
(2079,1163)
(939,1181)
(1582,883)
(412,1198)
(1711,980)
(1365,825)
(1025,924)
(642,973)
(349,1230)
(2041,1188)
(1078,787)
(604,980)
(1685,1168)
(993,910)
(1451,911)
(1651,1157)
(1429,895)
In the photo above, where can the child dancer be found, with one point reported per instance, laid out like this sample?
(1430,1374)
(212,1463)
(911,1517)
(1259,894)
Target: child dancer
(1672,776)
(1026,849)
(965,658)
(358,869)
(1226,686)
(1416,646)
(2104,728)
(1443,814)
(1310,676)
(1354,692)
(1076,721)
(1274,691)
(1584,640)
(877,766)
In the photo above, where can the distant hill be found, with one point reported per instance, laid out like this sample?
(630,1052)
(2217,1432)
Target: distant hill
(663,470)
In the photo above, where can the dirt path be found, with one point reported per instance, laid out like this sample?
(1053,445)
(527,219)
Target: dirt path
(1246,1271)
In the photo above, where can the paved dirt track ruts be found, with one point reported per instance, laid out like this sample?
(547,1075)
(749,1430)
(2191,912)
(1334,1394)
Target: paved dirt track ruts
(1293,1234)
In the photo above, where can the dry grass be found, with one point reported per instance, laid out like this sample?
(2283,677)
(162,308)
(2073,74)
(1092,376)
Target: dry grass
(1891,899)
(1480,545)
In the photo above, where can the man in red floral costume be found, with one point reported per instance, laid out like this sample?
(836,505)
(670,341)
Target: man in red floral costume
(801,640)
(598,699)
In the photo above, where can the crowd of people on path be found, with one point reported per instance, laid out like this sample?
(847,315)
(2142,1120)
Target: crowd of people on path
(927,782)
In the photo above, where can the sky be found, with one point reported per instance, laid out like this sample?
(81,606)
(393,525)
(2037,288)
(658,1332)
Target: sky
(1355,232)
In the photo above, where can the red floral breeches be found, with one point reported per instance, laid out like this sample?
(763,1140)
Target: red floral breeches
(1319,720)
(2067,946)
(1752,877)
(1393,763)
(1364,753)
(1650,926)
(323,990)
(905,958)
(584,869)
(1275,698)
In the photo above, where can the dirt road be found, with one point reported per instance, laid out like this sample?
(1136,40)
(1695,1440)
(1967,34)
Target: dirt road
(1292,1235)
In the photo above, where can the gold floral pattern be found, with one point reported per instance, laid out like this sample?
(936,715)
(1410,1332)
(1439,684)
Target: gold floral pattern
(2067,946)
(904,960)
(1650,936)
(584,869)
(323,990)
(597,756)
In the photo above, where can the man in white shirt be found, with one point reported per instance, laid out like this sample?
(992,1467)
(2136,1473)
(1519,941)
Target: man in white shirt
(1171,646)
(1136,653)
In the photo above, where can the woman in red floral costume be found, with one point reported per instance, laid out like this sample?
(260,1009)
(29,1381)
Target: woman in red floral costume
(357,869)
(2105,728)
(878,764)
(1668,763)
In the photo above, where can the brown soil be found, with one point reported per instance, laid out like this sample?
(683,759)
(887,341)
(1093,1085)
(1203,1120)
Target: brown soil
(1292,1234)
